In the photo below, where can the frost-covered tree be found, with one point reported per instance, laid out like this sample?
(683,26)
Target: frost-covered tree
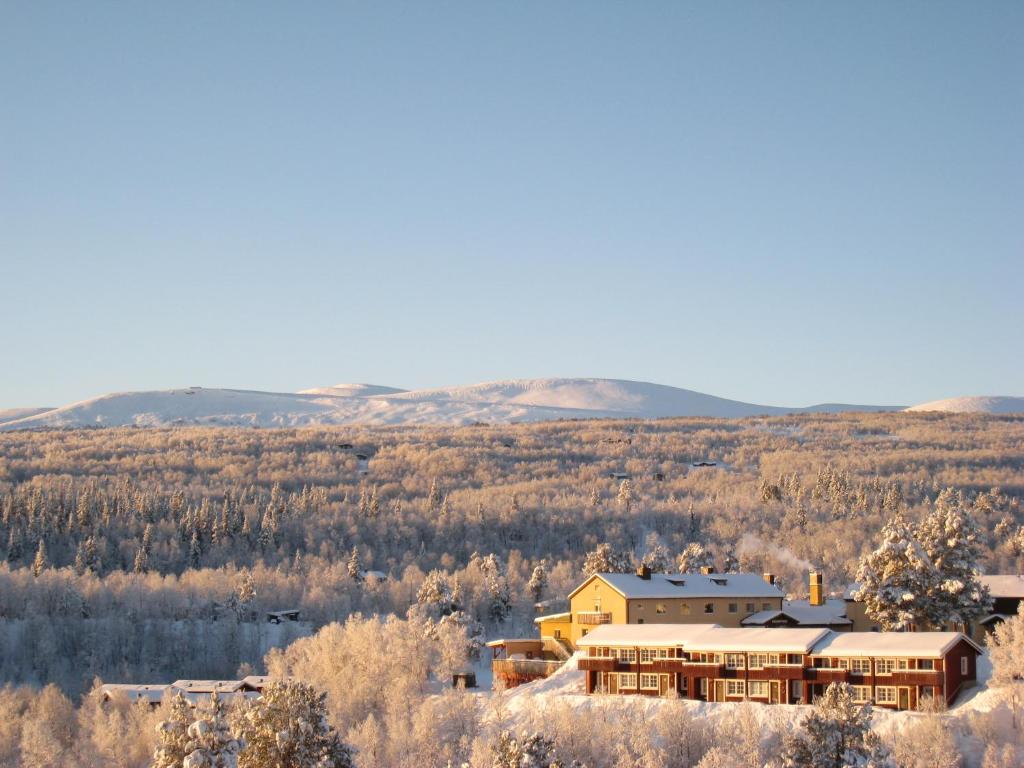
(287,728)
(355,566)
(439,595)
(897,579)
(837,734)
(656,557)
(39,564)
(952,540)
(693,558)
(626,495)
(48,733)
(210,741)
(1006,650)
(927,741)
(529,751)
(538,582)
(604,559)
(172,734)
(500,599)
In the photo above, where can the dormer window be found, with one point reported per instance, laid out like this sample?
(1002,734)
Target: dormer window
(719,581)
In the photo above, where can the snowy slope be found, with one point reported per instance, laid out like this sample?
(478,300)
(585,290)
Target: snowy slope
(494,402)
(12,414)
(979,404)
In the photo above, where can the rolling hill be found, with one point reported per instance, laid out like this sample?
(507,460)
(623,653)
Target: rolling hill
(495,402)
(979,404)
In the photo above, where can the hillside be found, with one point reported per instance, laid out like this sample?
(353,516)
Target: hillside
(980,404)
(494,402)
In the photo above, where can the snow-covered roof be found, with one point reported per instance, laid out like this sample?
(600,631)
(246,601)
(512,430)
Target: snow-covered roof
(832,613)
(994,617)
(918,644)
(648,635)
(669,585)
(207,686)
(257,681)
(1004,585)
(153,693)
(779,639)
(503,641)
(553,617)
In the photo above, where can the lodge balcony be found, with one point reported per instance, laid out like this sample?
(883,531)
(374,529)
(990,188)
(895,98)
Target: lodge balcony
(778,672)
(826,675)
(702,669)
(601,664)
(911,677)
(592,618)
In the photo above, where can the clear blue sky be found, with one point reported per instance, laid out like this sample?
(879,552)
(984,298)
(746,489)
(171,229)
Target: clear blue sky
(783,203)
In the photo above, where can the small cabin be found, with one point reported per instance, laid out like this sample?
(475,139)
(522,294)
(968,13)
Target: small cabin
(346,446)
(704,464)
(464,680)
(658,477)
(279,617)
(620,476)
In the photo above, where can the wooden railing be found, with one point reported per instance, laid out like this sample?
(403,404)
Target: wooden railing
(593,617)
(524,667)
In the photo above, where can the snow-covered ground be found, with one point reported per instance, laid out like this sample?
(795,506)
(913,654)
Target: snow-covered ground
(990,404)
(565,690)
(493,402)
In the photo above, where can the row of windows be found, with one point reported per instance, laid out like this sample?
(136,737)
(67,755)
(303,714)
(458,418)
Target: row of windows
(684,608)
(647,682)
(882,666)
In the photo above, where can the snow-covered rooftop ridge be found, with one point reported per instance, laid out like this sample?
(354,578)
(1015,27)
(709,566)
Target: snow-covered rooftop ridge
(553,617)
(697,585)
(1004,585)
(814,641)
(646,635)
(802,612)
(493,402)
(923,644)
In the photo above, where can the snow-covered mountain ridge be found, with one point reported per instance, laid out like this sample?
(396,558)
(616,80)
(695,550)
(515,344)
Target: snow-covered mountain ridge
(980,404)
(493,402)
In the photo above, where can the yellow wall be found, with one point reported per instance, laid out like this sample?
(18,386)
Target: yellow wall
(563,626)
(595,594)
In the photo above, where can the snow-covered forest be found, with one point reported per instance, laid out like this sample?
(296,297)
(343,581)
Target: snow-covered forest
(147,556)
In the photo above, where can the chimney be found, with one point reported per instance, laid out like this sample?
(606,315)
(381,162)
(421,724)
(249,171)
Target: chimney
(769,577)
(707,569)
(817,593)
(644,572)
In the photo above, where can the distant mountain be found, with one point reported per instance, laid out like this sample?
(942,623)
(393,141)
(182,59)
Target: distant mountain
(496,402)
(978,404)
(13,414)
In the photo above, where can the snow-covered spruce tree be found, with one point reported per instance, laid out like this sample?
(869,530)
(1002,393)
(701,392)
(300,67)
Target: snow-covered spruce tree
(210,741)
(39,564)
(538,582)
(355,566)
(529,751)
(604,560)
(1006,650)
(626,495)
(287,728)
(952,540)
(837,734)
(897,579)
(172,733)
(693,558)
(500,599)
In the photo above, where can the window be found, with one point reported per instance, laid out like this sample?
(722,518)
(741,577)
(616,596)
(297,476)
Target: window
(734,661)
(861,693)
(558,634)
(926,663)
(885,694)
(627,680)
(683,685)
(734,688)
(750,607)
(773,658)
(757,660)
(884,666)
(902,664)
(795,658)
(649,682)
(860,666)
(583,632)
(645,655)
(639,606)
(766,606)
(685,609)
(639,621)
(627,654)
(841,663)
(709,607)
(734,607)
(703,686)
(757,688)
(659,608)
(963,665)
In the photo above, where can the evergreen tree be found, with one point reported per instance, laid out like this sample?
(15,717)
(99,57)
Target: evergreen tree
(952,540)
(500,605)
(538,582)
(39,564)
(141,563)
(897,579)
(1006,650)
(172,734)
(604,560)
(245,596)
(837,734)
(656,557)
(530,751)
(693,558)
(355,566)
(195,550)
(287,728)
(626,496)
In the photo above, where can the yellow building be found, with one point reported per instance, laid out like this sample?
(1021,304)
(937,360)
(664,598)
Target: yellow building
(658,598)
